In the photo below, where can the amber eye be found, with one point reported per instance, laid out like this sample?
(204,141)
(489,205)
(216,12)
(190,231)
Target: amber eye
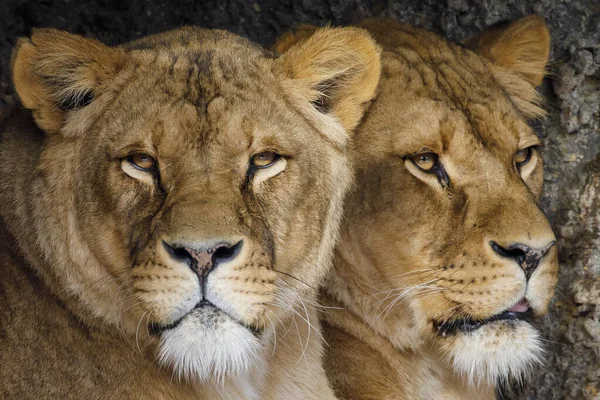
(425,161)
(264,159)
(143,161)
(523,156)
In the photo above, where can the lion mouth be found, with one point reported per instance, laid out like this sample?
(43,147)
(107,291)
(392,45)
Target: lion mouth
(520,311)
(157,329)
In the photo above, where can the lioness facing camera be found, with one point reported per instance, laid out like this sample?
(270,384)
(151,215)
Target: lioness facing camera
(175,206)
(444,254)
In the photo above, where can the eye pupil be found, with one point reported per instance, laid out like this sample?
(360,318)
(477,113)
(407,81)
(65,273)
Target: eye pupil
(523,156)
(425,162)
(264,159)
(143,161)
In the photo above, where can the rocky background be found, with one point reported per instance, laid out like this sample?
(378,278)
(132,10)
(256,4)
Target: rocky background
(571,133)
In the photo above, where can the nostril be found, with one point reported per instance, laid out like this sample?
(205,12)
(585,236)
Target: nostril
(226,253)
(178,253)
(514,252)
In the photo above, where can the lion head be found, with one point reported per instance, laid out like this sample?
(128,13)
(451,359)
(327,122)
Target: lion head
(445,221)
(443,245)
(189,185)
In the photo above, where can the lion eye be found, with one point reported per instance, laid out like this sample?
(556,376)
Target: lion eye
(523,156)
(425,161)
(264,159)
(143,162)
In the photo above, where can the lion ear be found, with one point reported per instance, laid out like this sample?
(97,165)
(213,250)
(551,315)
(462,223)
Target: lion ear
(288,39)
(335,69)
(519,53)
(522,47)
(55,72)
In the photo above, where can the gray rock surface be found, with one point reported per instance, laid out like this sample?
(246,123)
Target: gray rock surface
(571,133)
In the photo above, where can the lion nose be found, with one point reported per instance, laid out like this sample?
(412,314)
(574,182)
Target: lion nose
(202,259)
(527,257)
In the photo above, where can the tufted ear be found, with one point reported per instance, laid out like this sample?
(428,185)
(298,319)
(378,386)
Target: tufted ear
(55,72)
(288,39)
(520,52)
(335,69)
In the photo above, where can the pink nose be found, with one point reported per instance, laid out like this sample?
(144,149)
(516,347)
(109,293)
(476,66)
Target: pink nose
(203,261)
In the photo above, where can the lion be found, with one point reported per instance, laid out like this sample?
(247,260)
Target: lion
(168,208)
(444,254)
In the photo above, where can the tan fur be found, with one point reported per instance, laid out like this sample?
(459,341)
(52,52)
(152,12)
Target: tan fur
(519,53)
(415,253)
(358,70)
(93,303)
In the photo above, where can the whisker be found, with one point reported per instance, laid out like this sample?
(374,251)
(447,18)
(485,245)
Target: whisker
(137,342)
(311,303)
(291,309)
(416,272)
(432,289)
(296,313)
(552,341)
(293,277)
(274,333)
(557,290)
(404,293)
(300,340)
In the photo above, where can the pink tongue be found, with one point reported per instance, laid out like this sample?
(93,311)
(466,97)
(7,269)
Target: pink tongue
(521,306)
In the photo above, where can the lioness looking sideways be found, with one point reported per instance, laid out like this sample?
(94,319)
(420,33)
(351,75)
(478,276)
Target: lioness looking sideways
(444,254)
(167,209)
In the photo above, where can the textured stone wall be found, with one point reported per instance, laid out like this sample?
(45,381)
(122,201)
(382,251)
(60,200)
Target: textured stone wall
(571,133)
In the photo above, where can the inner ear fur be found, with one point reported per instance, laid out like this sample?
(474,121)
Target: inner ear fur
(338,69)
(519,52)
(55,72)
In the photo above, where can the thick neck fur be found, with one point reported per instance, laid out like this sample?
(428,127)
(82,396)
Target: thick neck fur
(364,291)
(381,316)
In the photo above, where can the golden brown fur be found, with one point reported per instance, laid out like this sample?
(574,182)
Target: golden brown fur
(97,255)
(415,272)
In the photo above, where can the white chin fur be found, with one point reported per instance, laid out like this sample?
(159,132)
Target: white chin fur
(208,345)
(495,352)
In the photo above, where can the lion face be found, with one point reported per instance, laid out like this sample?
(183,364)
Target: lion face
(206,188)
(444,222)
(220,215)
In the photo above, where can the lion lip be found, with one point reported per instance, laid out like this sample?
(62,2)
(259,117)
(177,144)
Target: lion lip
(205,303)
(520,307)
(156,329)
(519,311)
